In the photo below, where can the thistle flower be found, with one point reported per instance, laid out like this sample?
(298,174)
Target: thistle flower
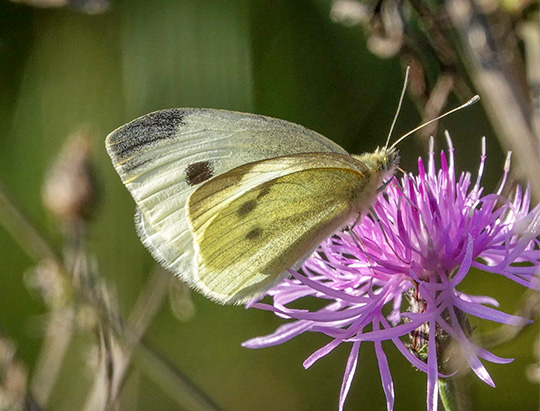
(396,275)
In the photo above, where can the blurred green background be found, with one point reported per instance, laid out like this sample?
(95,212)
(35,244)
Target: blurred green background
(61,70)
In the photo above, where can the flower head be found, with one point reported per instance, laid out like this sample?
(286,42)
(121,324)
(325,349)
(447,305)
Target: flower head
(396,275)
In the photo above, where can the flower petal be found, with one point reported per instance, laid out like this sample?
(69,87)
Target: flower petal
(350,369)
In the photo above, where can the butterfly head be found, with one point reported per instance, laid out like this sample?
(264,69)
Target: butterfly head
(383,162)
(389,159)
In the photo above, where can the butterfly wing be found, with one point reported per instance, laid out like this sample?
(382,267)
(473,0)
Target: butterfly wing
(164,156)
(257,220)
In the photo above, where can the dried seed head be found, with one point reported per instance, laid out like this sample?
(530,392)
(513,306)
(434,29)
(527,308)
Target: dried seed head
(70,187)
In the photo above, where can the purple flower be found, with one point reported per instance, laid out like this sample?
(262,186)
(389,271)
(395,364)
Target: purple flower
(396,275)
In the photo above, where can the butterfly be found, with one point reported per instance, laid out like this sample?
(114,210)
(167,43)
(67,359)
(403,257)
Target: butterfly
(230,201)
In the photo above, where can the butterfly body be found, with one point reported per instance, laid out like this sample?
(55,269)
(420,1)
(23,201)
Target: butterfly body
(229,201)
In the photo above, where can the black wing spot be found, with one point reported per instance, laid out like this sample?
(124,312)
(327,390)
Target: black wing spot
(246,208)
(253,234)
(198,173)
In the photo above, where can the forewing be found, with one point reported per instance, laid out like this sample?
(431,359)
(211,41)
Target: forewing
(164,156)
(247,234)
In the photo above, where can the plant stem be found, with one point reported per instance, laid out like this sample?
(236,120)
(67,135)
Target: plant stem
(446,394)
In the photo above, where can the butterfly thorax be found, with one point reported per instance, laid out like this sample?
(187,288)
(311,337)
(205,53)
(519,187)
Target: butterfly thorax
(376,167)
(383,161)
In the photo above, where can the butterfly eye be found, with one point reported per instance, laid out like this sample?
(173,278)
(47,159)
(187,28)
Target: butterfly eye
(390,160)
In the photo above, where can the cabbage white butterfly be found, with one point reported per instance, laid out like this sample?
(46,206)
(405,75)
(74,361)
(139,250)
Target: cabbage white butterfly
(229,201)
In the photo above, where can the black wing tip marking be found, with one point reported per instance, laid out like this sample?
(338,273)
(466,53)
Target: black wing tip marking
(124,143)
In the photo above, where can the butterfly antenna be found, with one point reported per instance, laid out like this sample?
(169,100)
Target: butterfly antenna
(405,82)
(468,103)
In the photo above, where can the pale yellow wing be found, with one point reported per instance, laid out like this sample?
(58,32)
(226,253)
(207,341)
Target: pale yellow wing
(257,220)
(164,156)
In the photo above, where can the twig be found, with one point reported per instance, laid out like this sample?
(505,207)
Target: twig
(530,34)
(146,307)
(55,345)
(436,102)
(505,102)
(172,380)
(13,378)
(26,235)
(61,321)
